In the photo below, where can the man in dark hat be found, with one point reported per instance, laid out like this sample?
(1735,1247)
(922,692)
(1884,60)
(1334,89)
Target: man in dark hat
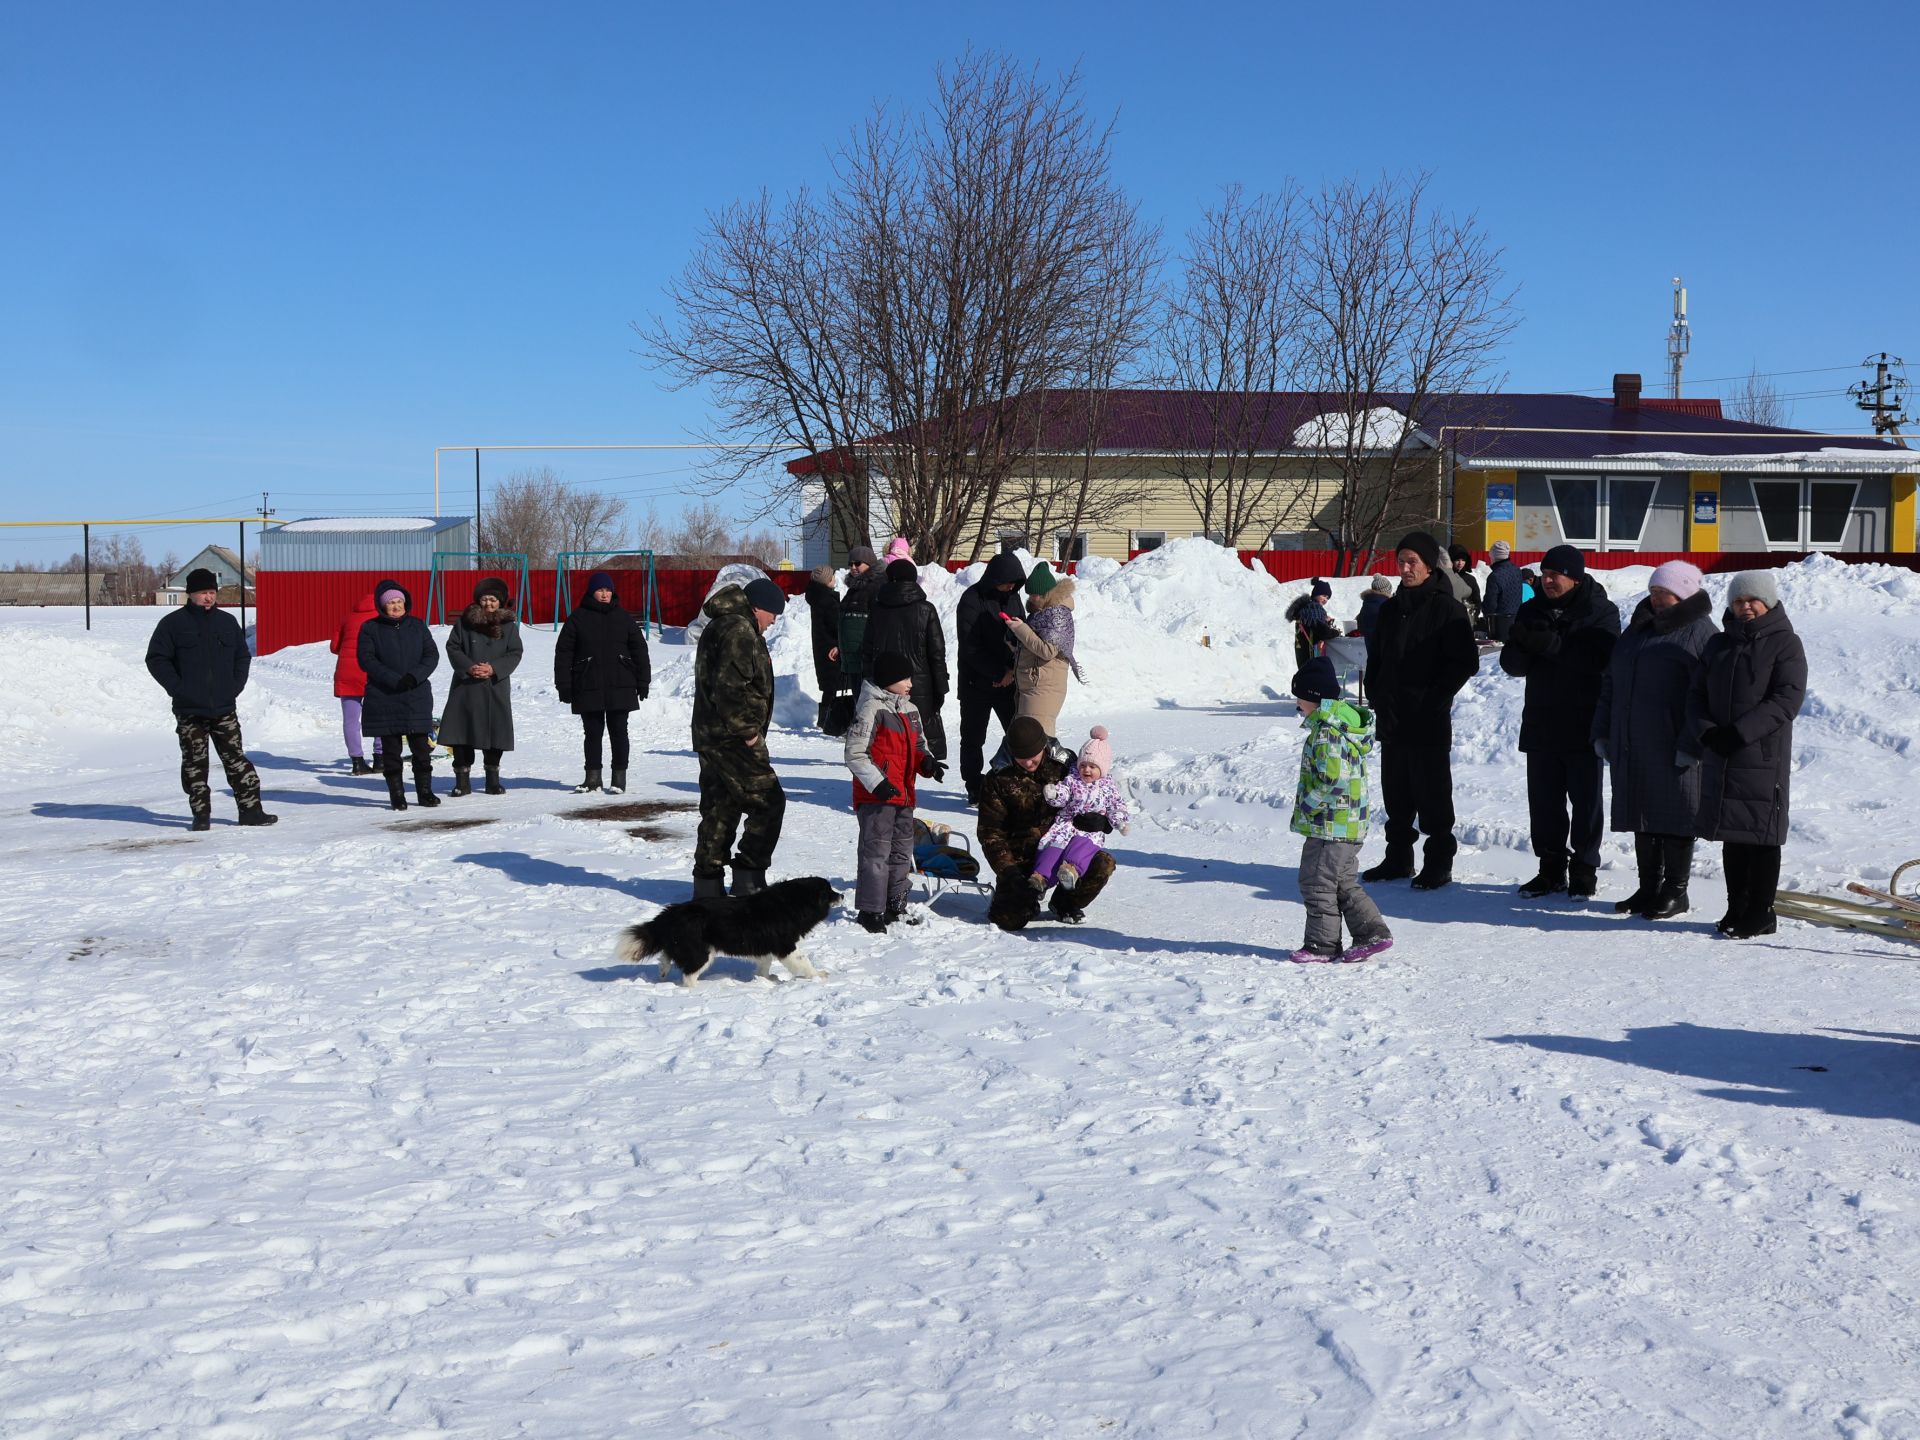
(1421,653)
(1560,643)
(1014,815)
(199,655)
(732,709)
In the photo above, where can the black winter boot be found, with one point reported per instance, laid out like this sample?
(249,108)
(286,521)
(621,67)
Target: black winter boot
(1676,858)
(872,922)
(462,781)
(1649,858)
(361,767)
(619,783)
(1551,880)
(423,787)
(589,785)
(494,787)
(1582,881)
(1434,875)
(709,887)
(747,881)
(1396,864)
(396,792)
(202,820)
(255,815)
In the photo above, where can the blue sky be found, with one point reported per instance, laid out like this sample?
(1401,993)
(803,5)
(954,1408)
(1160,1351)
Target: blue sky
(293,249)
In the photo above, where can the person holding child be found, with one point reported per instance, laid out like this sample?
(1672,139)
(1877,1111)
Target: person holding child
(1015,817)
(886,750)
(1330,809)
(1088,806)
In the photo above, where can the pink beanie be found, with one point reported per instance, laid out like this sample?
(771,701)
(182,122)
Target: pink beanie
(899,548)
(1677,578)
(1097,751)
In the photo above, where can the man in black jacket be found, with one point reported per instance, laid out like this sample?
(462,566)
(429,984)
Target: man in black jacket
(903,620)
(984,647)
(1560,643)
(823,610)
(1421,653)
(199,655)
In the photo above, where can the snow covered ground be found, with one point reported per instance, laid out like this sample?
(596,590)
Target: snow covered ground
(353,1128)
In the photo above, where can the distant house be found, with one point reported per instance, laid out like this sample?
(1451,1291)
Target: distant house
(31,587)
(1617,473)
(225,565)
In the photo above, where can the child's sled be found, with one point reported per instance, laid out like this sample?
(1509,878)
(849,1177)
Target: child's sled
(943,858)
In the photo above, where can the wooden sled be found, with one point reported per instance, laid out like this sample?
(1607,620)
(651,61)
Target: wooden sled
(1885,913)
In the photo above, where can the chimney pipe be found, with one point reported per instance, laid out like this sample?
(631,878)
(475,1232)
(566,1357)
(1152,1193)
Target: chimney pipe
(1626,391)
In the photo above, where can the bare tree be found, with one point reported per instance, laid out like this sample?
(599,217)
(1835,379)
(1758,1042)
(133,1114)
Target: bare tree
(900,331)
(1758,402)
(704,532)
(586,520)
(522,516)
(1231,345)
(1402,305)
(761,545)
(650,532)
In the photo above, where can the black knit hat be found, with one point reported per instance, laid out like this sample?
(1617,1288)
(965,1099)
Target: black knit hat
(763,594)
(902,570)
(1460,554)
(198,580)
(1026,737)
(1567,560)
(890,667)
(1423,545)
(1316,680)
(1320,588)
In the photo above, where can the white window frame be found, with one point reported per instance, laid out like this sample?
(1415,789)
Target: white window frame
(1599,541)
(1803,540)
(1218,537)
(1011,540)
(1134,537)
(1064,539)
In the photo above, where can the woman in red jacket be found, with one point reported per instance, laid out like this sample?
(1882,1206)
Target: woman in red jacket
(350,681)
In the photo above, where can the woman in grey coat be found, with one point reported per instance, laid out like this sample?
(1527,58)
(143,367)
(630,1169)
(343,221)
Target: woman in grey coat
(1752,681)
(484,650)
(1637,728)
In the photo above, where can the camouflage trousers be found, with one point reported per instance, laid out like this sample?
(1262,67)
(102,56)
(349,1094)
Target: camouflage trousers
(194,731)
(735,783)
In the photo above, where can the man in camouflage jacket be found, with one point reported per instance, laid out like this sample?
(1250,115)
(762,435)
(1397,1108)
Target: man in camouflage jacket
(732,709)
(1014,815)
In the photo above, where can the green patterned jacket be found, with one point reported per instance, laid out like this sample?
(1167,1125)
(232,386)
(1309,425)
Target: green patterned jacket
(1331,803)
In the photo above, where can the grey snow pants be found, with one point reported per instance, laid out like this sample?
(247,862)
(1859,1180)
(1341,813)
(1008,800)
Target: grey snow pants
(1330,889)
(886,857)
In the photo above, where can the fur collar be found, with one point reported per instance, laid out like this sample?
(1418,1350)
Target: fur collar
(476,620)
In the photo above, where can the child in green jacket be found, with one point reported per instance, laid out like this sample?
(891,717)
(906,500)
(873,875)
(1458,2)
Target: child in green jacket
(1330,809)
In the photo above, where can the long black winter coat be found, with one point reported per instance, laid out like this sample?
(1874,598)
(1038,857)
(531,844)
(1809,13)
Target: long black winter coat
(862,590)
(1753,676)
(600,661)
(1421,653)
(200,659)
(480,712)
(903,619)
(823,611)
(1576,635)
(1643,713)
(389,650)
(1503,589)
(983,644)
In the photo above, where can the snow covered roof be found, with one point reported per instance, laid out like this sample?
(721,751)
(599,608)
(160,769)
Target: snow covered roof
(363,524)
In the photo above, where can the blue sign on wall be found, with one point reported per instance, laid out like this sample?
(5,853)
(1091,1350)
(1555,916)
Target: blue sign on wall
(1706,507)
(1500,503)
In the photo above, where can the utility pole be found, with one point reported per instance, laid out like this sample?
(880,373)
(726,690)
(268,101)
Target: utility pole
(1885,396)
(1679,339)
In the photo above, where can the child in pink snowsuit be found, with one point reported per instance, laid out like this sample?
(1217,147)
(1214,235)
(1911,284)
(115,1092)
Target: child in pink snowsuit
(1090,807)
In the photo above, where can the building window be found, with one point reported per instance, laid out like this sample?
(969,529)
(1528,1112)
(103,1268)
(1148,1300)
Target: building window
(1070,547)
(1294,540)
(1219,537)
(1012,540)
(1146,539)
(1606,512)
(1804,514)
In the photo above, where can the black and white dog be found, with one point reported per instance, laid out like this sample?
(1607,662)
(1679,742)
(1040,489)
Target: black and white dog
(763,927)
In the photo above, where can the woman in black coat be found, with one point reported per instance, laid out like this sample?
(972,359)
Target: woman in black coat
(1637,730)
(600,668)
(902,619)
(396,650)
(1752,682)
(483,651)
(823,608)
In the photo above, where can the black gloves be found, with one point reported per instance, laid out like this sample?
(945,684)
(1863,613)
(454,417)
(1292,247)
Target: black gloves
(1097,823)
(1723,740)
(933,769)
(884,791)
(407,682)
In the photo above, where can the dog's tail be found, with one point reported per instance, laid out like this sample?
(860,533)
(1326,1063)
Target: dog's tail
(637,943)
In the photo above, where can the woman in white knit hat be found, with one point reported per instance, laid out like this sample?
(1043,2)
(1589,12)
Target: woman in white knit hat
(1637,729)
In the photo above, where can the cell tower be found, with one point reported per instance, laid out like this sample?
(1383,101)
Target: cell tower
(1679,339)
(1885,396)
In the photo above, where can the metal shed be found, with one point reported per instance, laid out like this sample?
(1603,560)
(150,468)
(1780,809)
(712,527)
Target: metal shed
(384,542)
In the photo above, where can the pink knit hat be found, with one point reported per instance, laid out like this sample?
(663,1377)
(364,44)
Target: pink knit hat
(1097,751)
(898,548)
(1677,578)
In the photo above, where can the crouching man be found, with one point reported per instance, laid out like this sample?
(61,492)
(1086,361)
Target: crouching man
(199,656)
(1014,815)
